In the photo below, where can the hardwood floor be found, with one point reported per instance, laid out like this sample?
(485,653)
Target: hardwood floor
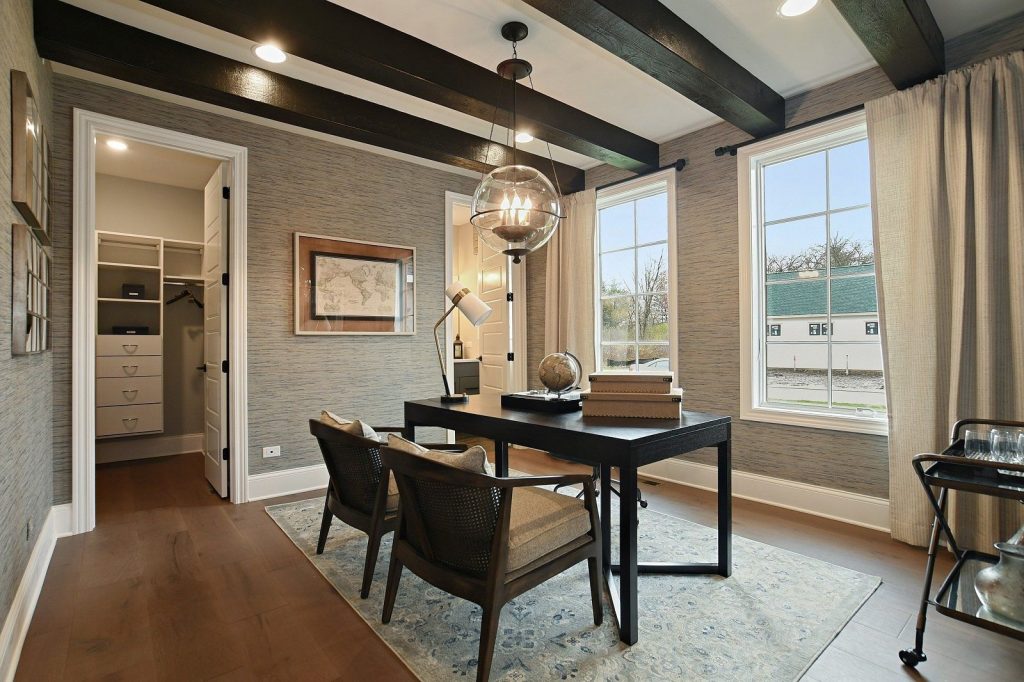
(176,584)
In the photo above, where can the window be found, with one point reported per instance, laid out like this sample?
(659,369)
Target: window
(635,275)
(807,252)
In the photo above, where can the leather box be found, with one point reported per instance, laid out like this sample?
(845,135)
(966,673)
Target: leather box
(632,382)
(635,405)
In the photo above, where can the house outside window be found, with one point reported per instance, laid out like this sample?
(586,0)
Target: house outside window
(635,276)
(807,256)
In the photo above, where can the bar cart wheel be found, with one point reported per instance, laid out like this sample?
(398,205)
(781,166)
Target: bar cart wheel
(911,658)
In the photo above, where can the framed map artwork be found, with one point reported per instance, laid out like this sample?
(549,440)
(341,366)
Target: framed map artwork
(344,286)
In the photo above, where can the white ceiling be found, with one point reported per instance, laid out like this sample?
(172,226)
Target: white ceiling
(789,54)
(152,163)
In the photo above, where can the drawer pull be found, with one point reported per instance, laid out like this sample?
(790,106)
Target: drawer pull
(130,422)
(130,370)
(130,395)
(130,348)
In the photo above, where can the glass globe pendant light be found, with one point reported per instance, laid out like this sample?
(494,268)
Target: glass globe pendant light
(516,209)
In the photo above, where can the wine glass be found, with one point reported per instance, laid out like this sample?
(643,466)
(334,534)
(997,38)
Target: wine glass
(975,444)
(999,444)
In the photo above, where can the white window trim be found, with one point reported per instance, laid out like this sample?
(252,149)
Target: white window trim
(749,160)
(627,191)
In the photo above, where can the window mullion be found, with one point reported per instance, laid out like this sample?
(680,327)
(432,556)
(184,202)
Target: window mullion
(828,284)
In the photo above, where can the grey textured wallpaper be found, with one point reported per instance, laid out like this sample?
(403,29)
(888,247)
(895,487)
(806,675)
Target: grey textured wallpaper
(25,395)
(709,341)
(296,183)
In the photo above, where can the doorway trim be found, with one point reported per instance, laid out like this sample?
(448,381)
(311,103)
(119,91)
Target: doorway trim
(517,281)
(87,125)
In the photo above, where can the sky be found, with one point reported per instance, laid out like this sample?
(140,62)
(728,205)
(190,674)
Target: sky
(798,187)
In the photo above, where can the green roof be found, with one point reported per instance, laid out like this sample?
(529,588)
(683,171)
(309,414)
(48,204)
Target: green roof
(795,296)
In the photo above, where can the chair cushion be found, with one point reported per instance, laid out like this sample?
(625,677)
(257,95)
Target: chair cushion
(356,428)
(474,459)
(543,521)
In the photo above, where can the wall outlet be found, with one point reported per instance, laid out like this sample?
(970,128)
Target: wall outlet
(272,451)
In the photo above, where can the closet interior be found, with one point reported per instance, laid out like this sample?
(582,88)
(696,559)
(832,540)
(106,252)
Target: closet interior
(150,364)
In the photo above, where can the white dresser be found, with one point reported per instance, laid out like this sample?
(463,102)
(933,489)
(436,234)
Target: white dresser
(129,385)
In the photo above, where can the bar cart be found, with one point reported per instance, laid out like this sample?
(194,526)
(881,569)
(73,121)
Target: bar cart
(952,470)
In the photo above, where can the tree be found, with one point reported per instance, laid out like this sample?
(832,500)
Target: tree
(843,251)
(647,310)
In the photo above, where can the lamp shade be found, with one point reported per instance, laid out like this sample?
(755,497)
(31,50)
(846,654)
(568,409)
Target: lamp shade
(468,303)
(516,210)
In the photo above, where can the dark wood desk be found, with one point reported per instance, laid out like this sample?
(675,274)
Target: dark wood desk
(605,443)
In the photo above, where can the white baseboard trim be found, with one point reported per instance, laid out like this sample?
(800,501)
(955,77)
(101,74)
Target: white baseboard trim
(287,482)
(19,616)
(829,503)
(122,450)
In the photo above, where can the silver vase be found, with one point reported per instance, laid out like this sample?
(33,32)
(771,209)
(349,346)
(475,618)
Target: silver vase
(1001,587)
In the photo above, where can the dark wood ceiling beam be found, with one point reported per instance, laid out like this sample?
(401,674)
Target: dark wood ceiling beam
(655,40)
(75,37)
(338,38)
(902,36)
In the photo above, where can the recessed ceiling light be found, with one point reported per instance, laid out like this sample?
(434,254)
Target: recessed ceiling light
(269,52)
(523,137)
(117,145)
(794,8)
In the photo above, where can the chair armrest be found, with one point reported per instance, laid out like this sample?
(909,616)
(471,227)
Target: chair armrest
(445,447)
(388,429)
(525,481)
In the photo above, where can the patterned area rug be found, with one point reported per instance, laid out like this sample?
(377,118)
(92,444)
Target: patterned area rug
(769,621)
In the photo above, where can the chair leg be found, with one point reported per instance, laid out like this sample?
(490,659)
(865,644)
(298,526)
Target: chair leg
(488,635)
(391,590)
(372,549)
(594,565)
(325,528)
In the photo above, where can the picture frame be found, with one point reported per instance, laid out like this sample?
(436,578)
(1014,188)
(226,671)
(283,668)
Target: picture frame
(30,292)
(30,159)
(347,286)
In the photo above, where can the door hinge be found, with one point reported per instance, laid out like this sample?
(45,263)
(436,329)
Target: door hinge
(224,454)
(511,357)
(224,278)
(224,366)
(509,297)
(226,192)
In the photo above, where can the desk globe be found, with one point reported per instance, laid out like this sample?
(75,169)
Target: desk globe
(560,372)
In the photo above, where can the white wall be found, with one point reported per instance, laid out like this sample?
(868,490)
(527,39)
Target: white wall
(795,348)
(136,207)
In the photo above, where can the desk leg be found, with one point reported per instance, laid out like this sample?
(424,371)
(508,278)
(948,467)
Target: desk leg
(501,458)
(627,556)
(725,507)
(606,516)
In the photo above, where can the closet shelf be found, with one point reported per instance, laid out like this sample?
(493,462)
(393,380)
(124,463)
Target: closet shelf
(127,300)
(189,278)
(110,265)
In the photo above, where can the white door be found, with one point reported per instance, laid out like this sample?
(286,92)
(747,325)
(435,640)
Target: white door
(215,219)
(496,332)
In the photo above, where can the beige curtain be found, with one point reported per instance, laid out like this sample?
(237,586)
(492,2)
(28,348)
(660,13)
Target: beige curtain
(947,160)
(569,281)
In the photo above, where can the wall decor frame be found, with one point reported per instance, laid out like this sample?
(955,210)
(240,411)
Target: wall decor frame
(30,158)
(30,292)
(347,286)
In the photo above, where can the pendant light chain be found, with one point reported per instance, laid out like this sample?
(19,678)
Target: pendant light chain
(554,174)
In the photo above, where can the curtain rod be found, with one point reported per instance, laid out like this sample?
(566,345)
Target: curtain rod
(730,150)
(678,164)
